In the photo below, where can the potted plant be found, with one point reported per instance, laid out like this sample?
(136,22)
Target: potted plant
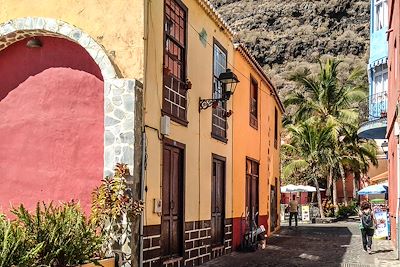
(113,209)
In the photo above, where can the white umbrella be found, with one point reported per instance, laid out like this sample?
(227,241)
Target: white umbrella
(299,188)
(290,188)
(309,188)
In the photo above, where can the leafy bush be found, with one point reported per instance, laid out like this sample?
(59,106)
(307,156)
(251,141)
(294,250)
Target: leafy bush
(346,211)
(67,237)
(15,246)
(51,236)
(329,208)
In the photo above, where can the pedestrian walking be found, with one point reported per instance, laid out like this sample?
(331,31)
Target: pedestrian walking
(293,210)
(367,225)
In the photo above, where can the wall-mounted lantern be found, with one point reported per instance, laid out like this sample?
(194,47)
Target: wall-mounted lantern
(229,82)
(34,43)
(385,148)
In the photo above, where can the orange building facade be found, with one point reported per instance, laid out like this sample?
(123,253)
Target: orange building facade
(256,142)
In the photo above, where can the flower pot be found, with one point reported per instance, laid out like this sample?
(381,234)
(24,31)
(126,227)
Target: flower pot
(105,263)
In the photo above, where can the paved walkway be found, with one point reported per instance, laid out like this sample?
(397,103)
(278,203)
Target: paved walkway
(338,244)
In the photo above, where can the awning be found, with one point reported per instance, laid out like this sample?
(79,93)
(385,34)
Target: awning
(381,176)
(377,62)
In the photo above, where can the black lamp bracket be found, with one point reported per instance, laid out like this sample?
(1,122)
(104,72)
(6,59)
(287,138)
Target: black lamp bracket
(206,103)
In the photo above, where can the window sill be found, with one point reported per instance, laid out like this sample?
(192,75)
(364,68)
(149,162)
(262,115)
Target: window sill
(254,126)
(219,138)
(173,118)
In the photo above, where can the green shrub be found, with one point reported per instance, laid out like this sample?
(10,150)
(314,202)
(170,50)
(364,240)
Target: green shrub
(15,246)
(62,234)
(349,210)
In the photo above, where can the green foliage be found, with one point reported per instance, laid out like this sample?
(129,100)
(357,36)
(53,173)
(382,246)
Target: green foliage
(329,208)
(346,211)
(15,246)
(51,236)
(321,128)
(67,237)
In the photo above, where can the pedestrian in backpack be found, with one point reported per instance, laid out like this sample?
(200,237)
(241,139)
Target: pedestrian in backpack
(293,209)
(367,225)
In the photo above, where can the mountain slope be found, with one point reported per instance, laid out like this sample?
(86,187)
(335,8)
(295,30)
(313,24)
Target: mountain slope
(285,35)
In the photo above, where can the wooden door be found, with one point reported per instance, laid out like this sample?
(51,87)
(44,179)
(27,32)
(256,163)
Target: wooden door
(172,201)
(217,201)
(252,203)
(273,208)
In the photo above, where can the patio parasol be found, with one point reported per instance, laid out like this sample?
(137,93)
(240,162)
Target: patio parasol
(373,190)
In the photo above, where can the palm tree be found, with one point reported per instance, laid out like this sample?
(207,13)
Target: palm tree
(326,99)
(306,153)
(325,96)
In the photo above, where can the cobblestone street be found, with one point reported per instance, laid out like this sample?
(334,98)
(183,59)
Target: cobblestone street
(337,244)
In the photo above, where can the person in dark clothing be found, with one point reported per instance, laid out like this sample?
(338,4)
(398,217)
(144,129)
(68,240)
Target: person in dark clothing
(293,209)
(367,225)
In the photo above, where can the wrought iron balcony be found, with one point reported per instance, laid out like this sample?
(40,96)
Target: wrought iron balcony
(373,113)
(374,107)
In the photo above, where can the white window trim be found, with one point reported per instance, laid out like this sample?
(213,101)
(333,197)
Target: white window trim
(380,73)
(382,16)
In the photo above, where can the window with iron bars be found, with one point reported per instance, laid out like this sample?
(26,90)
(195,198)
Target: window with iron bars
(175,90)
(219,123)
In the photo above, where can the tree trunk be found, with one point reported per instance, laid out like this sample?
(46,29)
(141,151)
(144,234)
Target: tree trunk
(335,196)
(329,184)
(355,183)
(321,210)
(343,174)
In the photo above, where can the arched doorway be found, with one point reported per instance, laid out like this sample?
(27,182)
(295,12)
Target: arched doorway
(55,105)
(51,127)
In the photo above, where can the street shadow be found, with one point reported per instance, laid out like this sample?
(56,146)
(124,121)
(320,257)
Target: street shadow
(305,246)
(312,245)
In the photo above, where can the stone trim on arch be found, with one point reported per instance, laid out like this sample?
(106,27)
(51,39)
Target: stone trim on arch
(20,28)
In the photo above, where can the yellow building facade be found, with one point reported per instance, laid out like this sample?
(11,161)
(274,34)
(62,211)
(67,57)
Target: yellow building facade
(188,45)
(256,149)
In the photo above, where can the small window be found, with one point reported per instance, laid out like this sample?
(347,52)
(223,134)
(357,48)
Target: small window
(253,103)
(174,94)
(378,100)
(276,129)
(396,61)
(381,14)
(380,80)
(219,123)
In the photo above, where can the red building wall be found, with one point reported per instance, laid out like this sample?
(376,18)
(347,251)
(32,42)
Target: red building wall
(51,126)
(349,188)
(286,197)
(393,98)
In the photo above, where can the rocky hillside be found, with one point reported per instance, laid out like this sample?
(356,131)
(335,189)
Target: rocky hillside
(285,35)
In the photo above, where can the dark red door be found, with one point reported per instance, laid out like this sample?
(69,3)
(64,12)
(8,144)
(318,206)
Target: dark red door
(172,199)
(252,188)
(273,207)
(217,201)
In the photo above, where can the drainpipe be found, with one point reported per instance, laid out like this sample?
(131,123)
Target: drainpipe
(146,7)
(144,148)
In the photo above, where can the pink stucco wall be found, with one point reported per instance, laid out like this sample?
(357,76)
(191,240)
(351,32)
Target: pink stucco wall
(51,124)
(393,100)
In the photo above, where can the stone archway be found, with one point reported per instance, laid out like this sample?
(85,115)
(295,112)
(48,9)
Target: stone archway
(119,94)
(122,97)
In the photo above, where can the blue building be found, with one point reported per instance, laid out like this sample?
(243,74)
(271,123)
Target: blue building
(374,113)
